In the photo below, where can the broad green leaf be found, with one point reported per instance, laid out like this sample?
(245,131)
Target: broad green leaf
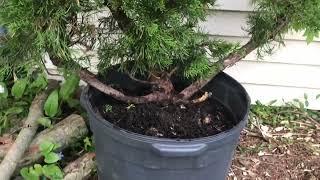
(51,106)
(38,169)
(318,96)
(72,103)
(19,88)
(56,146)
(40,83)
(69,87)
(53,172)
(33,172)
(46,147)
(24,172)
(27,175)
(44,121)
(3,91)
(14,110)
(51,158)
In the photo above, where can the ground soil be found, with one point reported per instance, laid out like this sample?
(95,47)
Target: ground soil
(171,121)
(283,158)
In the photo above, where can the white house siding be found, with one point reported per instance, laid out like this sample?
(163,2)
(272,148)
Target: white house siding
(287,74)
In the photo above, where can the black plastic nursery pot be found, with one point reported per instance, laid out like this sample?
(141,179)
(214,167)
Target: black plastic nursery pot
(123,155)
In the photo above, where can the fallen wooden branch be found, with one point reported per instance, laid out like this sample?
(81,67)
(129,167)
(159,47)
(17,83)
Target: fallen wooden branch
(65,133)
(16,151)
(82,168)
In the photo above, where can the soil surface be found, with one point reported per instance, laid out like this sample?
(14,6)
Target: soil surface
(170,121)
(288,155)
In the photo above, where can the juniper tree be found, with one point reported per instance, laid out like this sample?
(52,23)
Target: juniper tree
(151,40)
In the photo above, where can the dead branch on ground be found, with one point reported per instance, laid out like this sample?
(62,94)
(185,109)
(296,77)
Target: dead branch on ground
(16,151)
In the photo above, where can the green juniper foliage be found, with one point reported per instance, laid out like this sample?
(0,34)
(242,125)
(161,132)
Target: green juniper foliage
(38,26)
(146,36)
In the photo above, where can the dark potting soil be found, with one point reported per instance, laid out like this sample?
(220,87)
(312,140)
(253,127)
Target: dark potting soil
(170,121)
(165,121)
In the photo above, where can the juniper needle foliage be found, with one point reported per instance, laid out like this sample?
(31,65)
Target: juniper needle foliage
(145,36)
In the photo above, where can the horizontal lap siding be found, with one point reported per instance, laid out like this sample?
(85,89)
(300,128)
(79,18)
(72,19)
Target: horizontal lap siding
(233,23)
(288,73)
(294,52)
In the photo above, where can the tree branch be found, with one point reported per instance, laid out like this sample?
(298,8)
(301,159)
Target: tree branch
(94,82)
(232,59)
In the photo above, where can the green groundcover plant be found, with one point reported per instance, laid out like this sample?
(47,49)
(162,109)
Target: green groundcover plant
(150,40)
